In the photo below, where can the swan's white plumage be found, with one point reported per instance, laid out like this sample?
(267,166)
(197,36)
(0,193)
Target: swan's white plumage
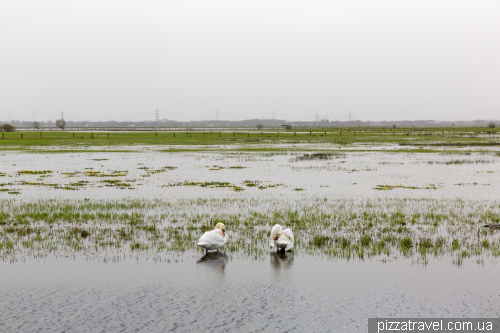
(275,232)
(289,243)
(214,239)
(285,237)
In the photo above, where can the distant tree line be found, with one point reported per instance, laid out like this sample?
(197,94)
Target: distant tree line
(255,123)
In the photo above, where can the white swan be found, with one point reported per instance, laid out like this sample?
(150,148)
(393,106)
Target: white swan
(215,239)
(283,239)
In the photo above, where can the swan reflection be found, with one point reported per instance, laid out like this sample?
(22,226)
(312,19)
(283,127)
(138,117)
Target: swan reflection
(215,260)
(281,260)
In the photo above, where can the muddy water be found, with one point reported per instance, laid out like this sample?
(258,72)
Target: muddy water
(220,294)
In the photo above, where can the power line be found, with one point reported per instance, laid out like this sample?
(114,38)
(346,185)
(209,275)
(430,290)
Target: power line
(62,114)
(131,115)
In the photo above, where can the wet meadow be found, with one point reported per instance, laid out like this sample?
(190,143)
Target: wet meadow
(396,206)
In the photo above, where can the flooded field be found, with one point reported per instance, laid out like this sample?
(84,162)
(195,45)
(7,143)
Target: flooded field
(215,294)
(107,240)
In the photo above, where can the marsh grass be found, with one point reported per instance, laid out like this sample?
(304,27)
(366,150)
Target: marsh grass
(64,142)
(318,156)
(347,229)
(34,172)
(392,187)
(462,161)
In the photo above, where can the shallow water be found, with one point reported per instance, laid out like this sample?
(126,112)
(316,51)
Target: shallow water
(227,293)
(473,176)
(220,294)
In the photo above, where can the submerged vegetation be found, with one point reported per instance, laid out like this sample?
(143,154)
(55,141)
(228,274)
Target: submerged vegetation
(348,229)
(318,156)
(358,224)
(247,183)
(34,172)
(392,187)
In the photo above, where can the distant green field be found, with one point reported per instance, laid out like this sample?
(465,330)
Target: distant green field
(116,141)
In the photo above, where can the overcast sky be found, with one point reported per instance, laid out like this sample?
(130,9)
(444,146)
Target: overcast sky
(379,60)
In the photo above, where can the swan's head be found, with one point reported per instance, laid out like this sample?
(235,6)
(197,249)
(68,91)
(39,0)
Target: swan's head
(276,231)
(221,227)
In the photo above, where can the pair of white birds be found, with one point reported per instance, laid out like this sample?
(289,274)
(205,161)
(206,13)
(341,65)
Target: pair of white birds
(217,238)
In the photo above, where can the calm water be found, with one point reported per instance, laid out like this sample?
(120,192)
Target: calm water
(223,294)
(473,176)
(220,294)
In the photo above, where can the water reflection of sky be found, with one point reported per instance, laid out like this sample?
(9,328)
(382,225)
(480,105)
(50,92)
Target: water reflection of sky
(217,293)
(198,293)
(454,175)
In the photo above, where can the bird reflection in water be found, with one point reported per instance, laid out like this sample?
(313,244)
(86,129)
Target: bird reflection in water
(216,260)
(281,260)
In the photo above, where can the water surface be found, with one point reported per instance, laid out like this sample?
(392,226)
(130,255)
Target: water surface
(282,293)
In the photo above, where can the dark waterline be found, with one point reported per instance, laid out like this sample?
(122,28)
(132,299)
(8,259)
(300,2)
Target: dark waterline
(219,294)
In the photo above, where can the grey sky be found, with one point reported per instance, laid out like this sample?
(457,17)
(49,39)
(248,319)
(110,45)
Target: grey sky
(391,60)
